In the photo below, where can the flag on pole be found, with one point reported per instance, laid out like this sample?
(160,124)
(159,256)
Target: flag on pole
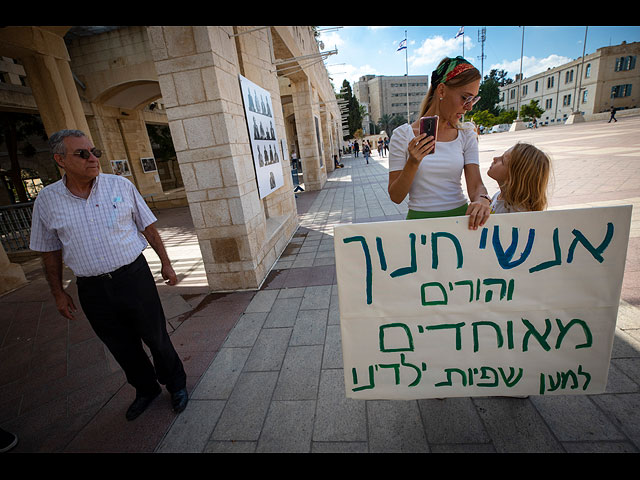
(460,32)
(403,45)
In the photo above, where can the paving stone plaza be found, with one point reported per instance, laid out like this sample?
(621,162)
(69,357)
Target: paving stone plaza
(265,367)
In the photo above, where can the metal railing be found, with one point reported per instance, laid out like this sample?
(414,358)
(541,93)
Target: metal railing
(15,226)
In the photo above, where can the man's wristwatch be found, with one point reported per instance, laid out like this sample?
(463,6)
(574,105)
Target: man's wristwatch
(486,196)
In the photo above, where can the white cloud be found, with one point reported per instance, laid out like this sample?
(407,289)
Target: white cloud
(351,73)
(433,49)
(530,65)
(331,40)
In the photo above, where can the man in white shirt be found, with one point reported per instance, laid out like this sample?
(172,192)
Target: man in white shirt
(98,224)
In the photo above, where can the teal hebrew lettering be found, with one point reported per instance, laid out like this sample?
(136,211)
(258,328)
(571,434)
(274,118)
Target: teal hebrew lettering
(405,329)
(505,256)
(383,260)
(596,252)
(413,267)
(367,257)
(556,250)
(423,294)
(434,248)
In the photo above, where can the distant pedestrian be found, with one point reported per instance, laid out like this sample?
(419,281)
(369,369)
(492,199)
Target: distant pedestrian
(380,148)
(386,145)
(356,148)
(613,114)
(366,150)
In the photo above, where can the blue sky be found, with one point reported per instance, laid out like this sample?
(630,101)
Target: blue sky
(366,50)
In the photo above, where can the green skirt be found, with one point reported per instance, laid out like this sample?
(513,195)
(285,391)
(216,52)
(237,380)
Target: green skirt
(456,212)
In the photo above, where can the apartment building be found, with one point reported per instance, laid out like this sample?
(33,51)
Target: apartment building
(591,85)
(387,95)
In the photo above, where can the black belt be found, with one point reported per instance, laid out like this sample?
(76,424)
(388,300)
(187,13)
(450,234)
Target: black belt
(115,273)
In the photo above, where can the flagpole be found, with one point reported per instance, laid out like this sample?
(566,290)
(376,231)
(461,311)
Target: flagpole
(406,63)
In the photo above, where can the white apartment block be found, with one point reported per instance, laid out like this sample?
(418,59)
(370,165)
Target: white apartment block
(609,77)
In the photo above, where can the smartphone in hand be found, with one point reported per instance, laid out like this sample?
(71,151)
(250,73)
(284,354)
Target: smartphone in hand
(429,125)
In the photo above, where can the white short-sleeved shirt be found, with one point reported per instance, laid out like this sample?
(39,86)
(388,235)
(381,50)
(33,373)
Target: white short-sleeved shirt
(437,185)
(96,235)
(498,205)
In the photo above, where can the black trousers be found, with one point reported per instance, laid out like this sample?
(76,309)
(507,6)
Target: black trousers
(124,310)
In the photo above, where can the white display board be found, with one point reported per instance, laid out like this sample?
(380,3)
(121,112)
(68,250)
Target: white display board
(262,136)
(525,305)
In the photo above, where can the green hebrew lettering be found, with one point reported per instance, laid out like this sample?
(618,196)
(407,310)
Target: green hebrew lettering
(423,289)
(564,330)
(402,326)
(531,331)
(457,326)
(499,338)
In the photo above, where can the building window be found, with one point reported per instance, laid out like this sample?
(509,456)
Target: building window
(525,89)
(568,77)
(625,63)
(566,100)
(536,89)
(587,72)
(621,91)
(550,82)
(548,103)
(513,93)
(584,96)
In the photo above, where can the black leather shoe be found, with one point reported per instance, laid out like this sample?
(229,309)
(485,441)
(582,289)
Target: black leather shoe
(179,400)
(140,404)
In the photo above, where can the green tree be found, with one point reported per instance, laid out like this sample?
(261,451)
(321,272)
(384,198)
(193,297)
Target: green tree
(531,110)
(484,118)
(354,119)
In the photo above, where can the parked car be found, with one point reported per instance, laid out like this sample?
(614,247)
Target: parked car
(503,127)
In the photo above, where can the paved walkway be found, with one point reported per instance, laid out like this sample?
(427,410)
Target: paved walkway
(265,368)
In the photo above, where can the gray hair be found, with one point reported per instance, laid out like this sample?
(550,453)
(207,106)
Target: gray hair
(56,140)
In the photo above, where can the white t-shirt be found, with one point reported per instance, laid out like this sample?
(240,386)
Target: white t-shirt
(437,185)
(498,206)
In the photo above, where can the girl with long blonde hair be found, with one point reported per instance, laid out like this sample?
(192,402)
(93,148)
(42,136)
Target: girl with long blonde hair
(523,174)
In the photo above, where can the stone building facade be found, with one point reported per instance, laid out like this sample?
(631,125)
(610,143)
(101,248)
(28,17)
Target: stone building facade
(102,80)
(609,77)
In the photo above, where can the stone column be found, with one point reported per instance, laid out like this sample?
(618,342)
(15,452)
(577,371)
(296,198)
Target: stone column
(198,71)
(55,93)
(313,165)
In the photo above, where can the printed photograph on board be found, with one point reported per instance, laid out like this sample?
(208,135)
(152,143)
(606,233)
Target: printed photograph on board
(121,167)
(148,164)
(262,136)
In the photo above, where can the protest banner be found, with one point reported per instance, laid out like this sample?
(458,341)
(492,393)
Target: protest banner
(525,305)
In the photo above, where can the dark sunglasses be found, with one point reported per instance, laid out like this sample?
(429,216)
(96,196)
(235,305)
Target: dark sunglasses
(86,154)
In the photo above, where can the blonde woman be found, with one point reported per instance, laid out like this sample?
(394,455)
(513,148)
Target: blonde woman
(433,179)
(522,172)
